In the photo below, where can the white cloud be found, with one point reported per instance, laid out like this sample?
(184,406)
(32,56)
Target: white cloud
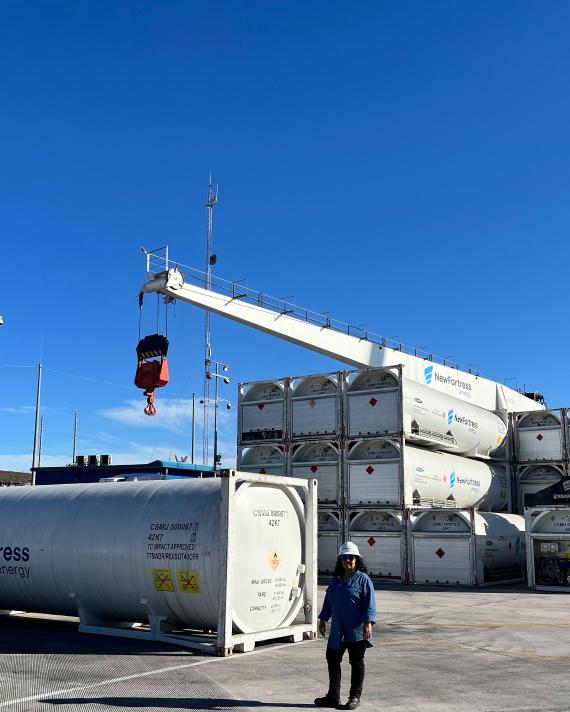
(172,414)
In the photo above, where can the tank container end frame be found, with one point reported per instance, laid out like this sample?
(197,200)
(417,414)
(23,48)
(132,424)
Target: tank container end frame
(532,516)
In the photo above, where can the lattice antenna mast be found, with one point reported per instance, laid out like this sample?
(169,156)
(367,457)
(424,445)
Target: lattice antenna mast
(210,262)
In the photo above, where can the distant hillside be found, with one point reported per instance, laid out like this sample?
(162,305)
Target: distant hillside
(14,478)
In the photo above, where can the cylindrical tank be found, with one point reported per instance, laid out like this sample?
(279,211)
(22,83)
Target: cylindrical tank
(262,411)
(549,548)
(322,461)
(263,460)
(315,406)
(466,548)
(380,472)
(376,405)
(109,548)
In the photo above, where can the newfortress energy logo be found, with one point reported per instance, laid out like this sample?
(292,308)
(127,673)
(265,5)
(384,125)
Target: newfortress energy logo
(431,375)
(450,416)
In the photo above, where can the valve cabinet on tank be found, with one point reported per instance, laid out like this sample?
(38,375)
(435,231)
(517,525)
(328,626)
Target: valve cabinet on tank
(466,548)
(315,409)
(321,460)
(542,486)
(169,555)
(540,436)
(262,411)
(382,472)
(548,548)
(381,537)
(379,402)
(263,459)
(330,537)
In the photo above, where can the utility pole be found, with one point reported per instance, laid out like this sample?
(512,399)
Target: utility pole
(41,441)
(193,424)
(37,422)
(210,262)
(74,438)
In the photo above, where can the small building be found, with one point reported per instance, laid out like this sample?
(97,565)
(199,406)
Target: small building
(156,470)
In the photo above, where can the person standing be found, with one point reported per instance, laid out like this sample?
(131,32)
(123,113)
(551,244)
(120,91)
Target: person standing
(349,600)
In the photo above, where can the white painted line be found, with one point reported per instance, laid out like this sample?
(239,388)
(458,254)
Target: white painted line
(110,681)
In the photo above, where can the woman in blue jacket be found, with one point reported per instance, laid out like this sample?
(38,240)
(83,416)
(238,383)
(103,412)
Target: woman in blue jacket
(349,600)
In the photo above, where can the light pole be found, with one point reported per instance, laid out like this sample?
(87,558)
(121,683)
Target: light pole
(216,375)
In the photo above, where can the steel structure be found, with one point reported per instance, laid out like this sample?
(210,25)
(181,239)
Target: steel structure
(351,345)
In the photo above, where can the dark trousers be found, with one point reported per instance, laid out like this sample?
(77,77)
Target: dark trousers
(356,658)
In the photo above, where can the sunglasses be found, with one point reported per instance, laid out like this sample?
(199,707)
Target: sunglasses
(347,557)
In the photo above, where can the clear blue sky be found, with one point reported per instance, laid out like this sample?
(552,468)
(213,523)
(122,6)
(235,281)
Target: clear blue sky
(403,165)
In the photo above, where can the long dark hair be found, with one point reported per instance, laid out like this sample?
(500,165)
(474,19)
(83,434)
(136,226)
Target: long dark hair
(360,566)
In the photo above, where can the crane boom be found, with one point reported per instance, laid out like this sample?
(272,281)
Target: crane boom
(352,350)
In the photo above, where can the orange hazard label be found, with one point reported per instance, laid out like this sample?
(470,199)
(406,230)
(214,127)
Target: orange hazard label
(275,560)
(162,579)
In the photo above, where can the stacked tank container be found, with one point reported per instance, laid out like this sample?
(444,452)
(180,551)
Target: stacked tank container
(541,453)
(540,456)
(379,446)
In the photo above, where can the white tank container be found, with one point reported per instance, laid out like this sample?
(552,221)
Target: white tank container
(539,436)
(262,411)
(381,540)
(263,460)
(542,485)
(466,548)
(380,472)
(328,539)
(379,402)
(548,548)
(320,460)
(116,551)
(315,406)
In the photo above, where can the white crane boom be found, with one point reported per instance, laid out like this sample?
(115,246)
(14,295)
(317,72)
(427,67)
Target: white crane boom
(353,350)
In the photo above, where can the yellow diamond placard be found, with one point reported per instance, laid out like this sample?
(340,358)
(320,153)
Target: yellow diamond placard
(189,581)
(162,579)
(274,560)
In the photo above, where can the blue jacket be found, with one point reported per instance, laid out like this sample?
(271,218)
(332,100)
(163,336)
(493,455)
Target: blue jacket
(351,604)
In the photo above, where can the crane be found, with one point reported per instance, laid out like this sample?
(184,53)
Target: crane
(284,321)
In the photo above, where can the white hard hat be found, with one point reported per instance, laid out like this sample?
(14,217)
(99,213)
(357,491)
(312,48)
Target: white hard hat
(349,548)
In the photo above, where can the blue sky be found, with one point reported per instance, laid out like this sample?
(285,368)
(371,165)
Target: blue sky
(403,165)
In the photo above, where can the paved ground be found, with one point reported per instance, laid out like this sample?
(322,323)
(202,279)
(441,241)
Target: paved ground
(494,650)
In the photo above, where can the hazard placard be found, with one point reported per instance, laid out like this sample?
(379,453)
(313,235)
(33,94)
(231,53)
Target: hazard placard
(189,581)
(162,579)
(274,560)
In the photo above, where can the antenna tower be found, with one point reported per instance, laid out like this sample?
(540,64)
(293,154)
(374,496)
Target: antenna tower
(210,262)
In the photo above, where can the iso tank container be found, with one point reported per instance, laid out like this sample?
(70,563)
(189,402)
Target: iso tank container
(330,536)
(382,472)
(381,540)
(466,548)
(315,406)
(322,461)
(548,548)
(540,436)
(167,554)
(380,402)
(263,459)
(262,411)
(542,486)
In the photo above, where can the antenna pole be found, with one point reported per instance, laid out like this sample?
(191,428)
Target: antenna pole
(74,438)
(37,423)
(210,261)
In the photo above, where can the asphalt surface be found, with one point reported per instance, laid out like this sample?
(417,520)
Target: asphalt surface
(494,650)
